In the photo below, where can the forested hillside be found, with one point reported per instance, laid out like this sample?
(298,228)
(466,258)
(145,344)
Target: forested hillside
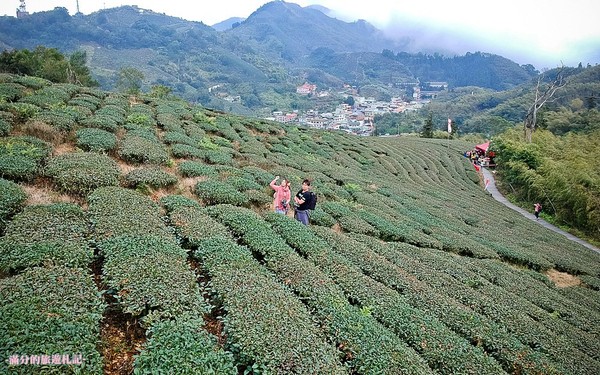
(280,46)
(137,236)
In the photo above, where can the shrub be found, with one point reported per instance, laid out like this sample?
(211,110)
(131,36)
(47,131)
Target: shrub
(62,119)
(173,202)
(151,176)
(87,101)
(320,217)
(150,277)
(12,200)
(100,121)
(22,156)
(35,83)
(184,151)
(92,139)
(218,157)
(115,211)
(11,92)
(196,169)
(55,233)
(48,97)
(82,172)
(6,122)
(272,332)
(241,183)
(136,149)
(171,137)
(215,192)
(48,311)
(182,347)
(193,225)
(22,111)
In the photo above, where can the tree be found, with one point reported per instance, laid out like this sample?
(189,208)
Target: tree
(130,80)
(160,91)
(48,63)
(427,131)
(543,94)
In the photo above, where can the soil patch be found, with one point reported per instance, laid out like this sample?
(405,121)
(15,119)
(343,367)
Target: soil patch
(42,193)
(562,279)
(337,228)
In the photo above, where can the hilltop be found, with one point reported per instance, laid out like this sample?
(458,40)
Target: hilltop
(141,226)
(277,48)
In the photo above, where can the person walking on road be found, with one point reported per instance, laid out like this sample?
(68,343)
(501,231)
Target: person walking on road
(537,208)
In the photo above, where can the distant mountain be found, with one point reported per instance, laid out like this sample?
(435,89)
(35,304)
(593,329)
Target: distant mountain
(254,67)
(228,23)
(292,32)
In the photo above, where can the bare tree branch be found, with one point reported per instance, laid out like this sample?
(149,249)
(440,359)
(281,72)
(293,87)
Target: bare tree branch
(540,99)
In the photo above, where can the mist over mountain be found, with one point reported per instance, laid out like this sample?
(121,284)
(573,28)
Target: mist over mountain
(254,67)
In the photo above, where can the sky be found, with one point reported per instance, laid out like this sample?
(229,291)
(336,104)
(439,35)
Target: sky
(544,33)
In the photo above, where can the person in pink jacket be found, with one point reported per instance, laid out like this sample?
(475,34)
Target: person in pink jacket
(281,198)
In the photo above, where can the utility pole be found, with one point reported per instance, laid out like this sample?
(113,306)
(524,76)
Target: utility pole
(22,10)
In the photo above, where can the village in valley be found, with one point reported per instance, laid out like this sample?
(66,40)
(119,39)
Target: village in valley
(357,118)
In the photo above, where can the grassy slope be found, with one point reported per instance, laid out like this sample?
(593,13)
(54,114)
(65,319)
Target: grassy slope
(474,272)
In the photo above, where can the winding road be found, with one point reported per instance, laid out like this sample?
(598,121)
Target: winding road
(493,190)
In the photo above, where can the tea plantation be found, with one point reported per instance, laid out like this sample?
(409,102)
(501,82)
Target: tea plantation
(137,236)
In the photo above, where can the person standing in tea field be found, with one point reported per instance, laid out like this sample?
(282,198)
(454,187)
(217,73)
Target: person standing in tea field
(305,201)
(282,195)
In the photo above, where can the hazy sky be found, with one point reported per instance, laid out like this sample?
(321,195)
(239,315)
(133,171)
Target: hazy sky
(539,32)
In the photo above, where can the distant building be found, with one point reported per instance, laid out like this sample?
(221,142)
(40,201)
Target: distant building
(306,89)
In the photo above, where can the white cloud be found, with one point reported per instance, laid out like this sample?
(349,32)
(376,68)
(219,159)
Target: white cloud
(527,31)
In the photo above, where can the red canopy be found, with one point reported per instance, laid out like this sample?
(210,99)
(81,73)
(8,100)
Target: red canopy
(483,147)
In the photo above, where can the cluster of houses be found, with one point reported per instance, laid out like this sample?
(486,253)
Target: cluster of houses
(357,119)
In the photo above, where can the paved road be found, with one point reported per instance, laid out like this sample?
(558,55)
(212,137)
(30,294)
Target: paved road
(491,188)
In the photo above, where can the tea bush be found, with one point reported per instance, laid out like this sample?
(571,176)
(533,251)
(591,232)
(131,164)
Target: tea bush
(100,121)
(35,83)
(11,92)
(21,111)
(241,183)
(82,172)
(173,137)
(195,169)
(12,200)
(47,312)
(6,123)
(150,176)
(271,332)
(194,225)
(140,150)
(216,192)
(87,101)
(97,140)
(374,348)
(62,119)
(182,347)
(172,202)
(150,277)
(21,157)
(184,151)
(46,234)
(48,97)
(116,211)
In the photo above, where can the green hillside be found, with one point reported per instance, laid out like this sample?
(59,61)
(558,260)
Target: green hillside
(279,47)
(137,237)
